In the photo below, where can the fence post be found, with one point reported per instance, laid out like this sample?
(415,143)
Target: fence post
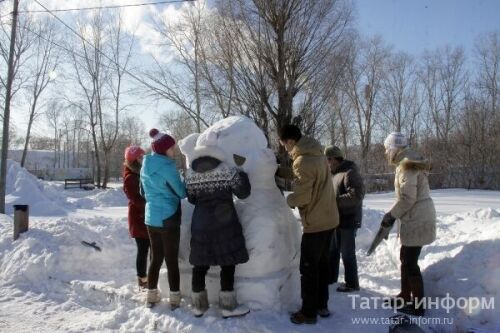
(21,219)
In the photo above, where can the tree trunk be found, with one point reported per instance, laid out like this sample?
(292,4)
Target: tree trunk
(28,134)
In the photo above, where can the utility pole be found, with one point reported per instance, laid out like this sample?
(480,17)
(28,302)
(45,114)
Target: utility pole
(6,115)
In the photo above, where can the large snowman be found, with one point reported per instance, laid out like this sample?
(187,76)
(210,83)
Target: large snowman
(270,279)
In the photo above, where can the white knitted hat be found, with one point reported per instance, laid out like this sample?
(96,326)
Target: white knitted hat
(395,140)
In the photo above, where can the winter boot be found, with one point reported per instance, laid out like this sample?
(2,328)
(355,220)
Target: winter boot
(153,296)
(417,289)
(404,297)
(396,302)
(175,299)
(324,313)
(299,318)
(200,303)
(229,306)
(142,282)
(344,288)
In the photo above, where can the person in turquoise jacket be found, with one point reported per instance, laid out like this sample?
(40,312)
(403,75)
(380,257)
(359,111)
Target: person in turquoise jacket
(163,190)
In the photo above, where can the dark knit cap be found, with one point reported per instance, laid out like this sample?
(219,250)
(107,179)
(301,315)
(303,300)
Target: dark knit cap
(335,152)
(161,141)
(290,132)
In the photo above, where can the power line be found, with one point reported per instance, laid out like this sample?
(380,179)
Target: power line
(106,7)
(95,48)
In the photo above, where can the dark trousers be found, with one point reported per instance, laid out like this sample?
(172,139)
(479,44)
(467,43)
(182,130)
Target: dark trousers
(164,246)
(411,277)
(141,260)
(226,278)
(314,271)
(345,245)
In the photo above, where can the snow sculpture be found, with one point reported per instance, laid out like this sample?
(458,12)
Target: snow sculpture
(270,279)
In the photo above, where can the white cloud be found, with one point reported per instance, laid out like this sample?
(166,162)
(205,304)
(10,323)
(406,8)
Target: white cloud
(137,20)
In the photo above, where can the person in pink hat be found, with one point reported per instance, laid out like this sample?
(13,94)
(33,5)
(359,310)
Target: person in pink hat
(136,206)
(164,190)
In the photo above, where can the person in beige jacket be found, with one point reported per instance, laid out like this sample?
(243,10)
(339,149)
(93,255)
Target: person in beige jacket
(314,196)
(414,209)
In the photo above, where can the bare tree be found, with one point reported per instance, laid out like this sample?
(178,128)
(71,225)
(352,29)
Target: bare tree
(44,63)
(401,102)
(120,50)
(99,72)
(363,84)
(178,124)
(89,74)
(339,120)
(488,60)
(53,114)
(183,39)
(444,78)
(281,47)
(23,43)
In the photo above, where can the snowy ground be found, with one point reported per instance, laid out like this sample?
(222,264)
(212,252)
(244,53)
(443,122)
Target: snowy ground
(50,282)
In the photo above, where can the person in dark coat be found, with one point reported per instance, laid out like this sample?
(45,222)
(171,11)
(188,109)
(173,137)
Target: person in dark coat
(216,233)
(136,206)
(349,191)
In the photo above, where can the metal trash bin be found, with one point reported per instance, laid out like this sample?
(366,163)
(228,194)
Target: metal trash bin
(21,219)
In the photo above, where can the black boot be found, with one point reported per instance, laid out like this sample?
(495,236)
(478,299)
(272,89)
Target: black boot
(299,318)
(397,302)
(417,289)
(404,297)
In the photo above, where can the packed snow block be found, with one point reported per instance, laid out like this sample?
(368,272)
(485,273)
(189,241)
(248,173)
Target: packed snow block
(25,189)
(270,279)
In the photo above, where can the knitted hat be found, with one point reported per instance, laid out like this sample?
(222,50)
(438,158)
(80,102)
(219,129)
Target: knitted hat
(133,152)
(290,132)
(161,141)
(395,140)
(335,152)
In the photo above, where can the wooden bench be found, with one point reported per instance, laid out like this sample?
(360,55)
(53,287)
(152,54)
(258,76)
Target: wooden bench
(85,183)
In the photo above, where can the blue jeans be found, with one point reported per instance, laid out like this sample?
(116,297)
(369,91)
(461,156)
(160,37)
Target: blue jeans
(345,245)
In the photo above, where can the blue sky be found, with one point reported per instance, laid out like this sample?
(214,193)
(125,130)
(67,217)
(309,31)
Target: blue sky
(414,25)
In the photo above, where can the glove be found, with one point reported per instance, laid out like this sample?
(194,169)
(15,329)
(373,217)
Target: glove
(388,220)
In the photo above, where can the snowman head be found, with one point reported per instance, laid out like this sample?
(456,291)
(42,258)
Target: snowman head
(238,136)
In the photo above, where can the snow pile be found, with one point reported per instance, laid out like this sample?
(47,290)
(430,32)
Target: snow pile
(465,262)
(52,251)
(113,197)
(49,281)
(270,279)
(25,189)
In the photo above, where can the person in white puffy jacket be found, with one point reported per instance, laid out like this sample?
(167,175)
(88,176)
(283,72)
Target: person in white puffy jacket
(414,209)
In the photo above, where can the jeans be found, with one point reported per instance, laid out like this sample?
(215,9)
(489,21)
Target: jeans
(344,245)
(314,271)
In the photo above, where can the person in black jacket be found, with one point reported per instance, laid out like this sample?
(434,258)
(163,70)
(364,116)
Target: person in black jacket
(349,190)
(216,233)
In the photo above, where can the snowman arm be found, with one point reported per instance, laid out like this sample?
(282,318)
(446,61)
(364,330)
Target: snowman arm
(241,185)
